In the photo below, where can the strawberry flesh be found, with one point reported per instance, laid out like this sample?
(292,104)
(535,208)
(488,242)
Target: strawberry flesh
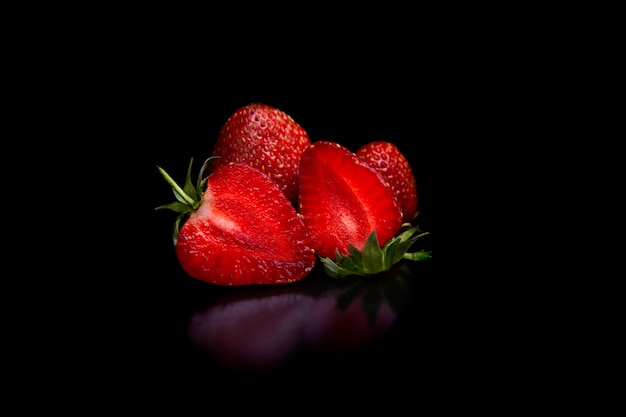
(342,200)
(244,232)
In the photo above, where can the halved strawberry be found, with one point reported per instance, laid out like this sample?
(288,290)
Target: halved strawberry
(240,230)
(389,161)
(343,200)
(266,138)
(352,214)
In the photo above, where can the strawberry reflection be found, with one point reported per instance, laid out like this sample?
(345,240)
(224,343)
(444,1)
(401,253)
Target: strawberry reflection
(262,328)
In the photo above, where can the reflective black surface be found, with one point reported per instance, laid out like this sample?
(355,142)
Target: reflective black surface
(317,320)
(176,330)
(136,326)
(317,325)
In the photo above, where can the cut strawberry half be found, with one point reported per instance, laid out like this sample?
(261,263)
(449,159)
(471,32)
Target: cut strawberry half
(343,200)
(352,214)
(240,230)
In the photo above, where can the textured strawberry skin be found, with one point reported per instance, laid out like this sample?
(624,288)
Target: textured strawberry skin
(245,232)
(266,138)
(387,159)
(342,200)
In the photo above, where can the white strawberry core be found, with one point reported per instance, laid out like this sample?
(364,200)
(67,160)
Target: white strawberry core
(351,227)
(206,211)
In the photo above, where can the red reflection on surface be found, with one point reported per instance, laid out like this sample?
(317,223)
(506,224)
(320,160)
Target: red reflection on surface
(261,329)
(336,331)
(252,333)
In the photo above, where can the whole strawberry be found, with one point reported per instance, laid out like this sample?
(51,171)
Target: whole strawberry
(387,159)
(235,227)
(266,138)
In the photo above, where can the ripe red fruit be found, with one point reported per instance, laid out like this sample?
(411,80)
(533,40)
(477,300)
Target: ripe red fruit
(266,138)
(343,200)
(387,159)
(240,230)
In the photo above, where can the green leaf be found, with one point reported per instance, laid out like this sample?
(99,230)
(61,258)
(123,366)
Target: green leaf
(374,259)
(418,256)
(189,198)
(175,206)
(330,267)
(372,255)
(190,188)
(396,251)
(354,260)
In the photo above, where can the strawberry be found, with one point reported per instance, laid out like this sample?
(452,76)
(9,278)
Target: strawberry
(342,200)
(387,159)
(351,213)
(236,227)
(266,138)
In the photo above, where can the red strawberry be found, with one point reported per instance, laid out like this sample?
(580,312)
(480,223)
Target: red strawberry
(352,214)
(343,200)
(266,138)
(240,230)
(387,159)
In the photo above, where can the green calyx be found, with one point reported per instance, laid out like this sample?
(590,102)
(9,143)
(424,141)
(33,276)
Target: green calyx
(375,259)
(189,197)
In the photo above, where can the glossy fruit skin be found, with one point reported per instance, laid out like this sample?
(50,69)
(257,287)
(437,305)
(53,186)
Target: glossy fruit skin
(342,200)
(245,232)
(389,161)
(266,138)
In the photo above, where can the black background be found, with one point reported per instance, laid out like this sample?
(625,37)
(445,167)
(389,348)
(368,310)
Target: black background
(163,107)
(480,105)
(180,119)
